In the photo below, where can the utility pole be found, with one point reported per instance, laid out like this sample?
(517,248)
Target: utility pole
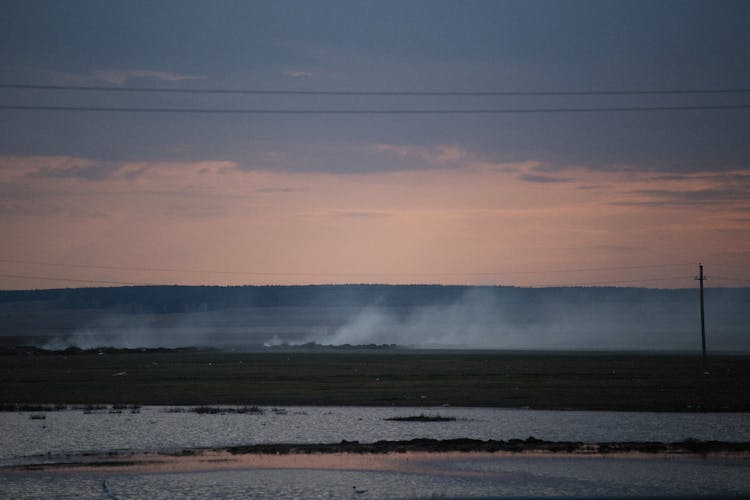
(702,278)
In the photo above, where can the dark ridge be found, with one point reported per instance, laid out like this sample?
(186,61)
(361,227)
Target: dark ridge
(461,445)
(219,410)
(26,350)
(422,418)
(174,298)
(688,446)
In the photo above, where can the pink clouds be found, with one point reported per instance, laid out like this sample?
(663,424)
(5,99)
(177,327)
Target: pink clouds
(121,76)
(459,224)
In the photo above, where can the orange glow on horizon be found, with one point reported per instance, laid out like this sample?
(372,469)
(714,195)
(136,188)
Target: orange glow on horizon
(475,224)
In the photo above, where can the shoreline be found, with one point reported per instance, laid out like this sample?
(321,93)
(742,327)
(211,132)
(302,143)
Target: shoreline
(380,455)
(41,408)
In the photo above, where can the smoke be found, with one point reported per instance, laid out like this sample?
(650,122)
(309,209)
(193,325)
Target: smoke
(469,322)
(421,317)
(135,332)
(480,319)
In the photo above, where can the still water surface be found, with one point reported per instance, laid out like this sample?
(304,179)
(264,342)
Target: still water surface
(467,478)
(156,428)
(23,440)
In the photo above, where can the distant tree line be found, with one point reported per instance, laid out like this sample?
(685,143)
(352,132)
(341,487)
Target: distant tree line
(175,299)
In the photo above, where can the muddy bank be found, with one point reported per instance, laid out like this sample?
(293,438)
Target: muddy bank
(380,454)
(530,444)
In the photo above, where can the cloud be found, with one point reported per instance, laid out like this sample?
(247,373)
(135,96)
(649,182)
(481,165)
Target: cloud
(731,176)
(71,174)
(692,196)
(195,210)
(121,76)
(274,190)
(544,179)
(700,189)
(76,168)
(395,54)
(361,214)
(463,219)
(442,156)
(23,210)
(297,74)
(45,211)
(37,168)
(439,155)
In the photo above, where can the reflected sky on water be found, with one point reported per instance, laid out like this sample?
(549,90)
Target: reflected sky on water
(158,428)
(443,478)
(25,440)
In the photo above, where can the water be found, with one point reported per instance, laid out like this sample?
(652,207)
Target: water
(155,428)
(23,441)
(486,477)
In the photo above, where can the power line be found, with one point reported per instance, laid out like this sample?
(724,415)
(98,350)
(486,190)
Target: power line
(726,278)
(612,282)
(331,275)
(587,269)
(364,111)
(50,278)
(449,93)
(131,283)
(730,266)
(148,269)
(255,273)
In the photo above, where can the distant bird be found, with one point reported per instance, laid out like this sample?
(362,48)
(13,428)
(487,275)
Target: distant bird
(358,492)
(106,495)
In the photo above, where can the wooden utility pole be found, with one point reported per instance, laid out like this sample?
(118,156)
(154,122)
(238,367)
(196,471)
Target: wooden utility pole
(701,278)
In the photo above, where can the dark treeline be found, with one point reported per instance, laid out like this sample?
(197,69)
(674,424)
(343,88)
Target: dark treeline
(169,299)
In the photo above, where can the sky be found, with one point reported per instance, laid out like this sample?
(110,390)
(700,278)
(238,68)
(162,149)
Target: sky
(630,198)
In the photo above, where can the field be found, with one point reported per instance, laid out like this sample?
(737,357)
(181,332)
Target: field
(401,378)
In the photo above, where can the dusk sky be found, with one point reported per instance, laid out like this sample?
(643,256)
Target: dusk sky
(619,196)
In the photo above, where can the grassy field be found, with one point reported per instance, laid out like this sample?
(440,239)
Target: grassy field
(572,381)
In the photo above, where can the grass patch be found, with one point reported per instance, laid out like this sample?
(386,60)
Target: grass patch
(419,379)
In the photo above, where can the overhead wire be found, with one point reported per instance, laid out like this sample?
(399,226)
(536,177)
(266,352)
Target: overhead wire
(427,93)
(548,284)
(134,283)
(75,280)
(265,273)
(611,282)
(365,111)
(726,278)
(729,266)
(376,93)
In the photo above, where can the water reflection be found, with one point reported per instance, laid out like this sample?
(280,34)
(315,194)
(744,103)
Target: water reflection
(433,477)
(154,428)
(413,476)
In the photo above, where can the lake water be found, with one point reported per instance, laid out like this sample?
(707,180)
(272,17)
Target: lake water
(24,441)
(157,428)
(500,477)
